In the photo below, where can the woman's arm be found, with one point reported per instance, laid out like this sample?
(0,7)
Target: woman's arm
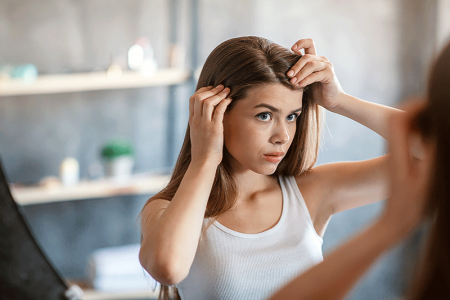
(171,229)
(335,187)
(372,115)
(409,179)
(345,185)
(336,275)
(318,72)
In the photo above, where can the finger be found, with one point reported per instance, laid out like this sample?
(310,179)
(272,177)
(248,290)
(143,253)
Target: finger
(191,107)
(211,102)
(211,92)
(192,99)
(220,110)
(416,149)
(203,89)
(424,170)
(307,44)
(303,61)
(308,69)
(321,76)
(200,97)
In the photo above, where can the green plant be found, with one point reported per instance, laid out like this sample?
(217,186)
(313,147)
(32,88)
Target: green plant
(116,148)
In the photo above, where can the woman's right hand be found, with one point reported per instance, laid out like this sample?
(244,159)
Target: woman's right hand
(206,110)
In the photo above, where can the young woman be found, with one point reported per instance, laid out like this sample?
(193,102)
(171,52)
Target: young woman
(232,222)
(420,190)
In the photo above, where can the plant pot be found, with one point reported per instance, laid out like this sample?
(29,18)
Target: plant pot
(120,168)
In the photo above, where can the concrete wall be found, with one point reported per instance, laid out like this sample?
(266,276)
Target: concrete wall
(361,39)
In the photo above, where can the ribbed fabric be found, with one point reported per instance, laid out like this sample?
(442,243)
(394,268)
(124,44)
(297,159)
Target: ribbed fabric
(233,265)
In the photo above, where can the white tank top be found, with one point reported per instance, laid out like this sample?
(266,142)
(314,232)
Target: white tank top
(233,265)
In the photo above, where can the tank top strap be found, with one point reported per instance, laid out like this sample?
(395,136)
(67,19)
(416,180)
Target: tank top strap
(291,187)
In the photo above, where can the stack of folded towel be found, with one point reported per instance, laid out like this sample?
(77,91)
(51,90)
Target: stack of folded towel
(117,269)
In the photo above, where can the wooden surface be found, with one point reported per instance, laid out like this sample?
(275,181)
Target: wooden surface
(51,84)
(137,185)
(96,295)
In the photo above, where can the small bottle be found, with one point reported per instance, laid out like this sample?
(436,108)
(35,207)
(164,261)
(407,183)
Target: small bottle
(27,73)
(141,57)
(69,172)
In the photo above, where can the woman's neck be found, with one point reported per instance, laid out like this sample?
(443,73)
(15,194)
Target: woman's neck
(250,183)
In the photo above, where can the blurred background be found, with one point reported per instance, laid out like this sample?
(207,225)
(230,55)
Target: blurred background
(135,61)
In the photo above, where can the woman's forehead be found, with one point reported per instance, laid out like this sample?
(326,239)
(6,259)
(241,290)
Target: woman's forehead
(276,95)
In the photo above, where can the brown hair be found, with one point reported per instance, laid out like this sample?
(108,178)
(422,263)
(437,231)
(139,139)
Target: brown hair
(433,274)
(240,64)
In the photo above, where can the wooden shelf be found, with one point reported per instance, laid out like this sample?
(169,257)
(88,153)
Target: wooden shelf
(76,82)
(138,185)
(96,295)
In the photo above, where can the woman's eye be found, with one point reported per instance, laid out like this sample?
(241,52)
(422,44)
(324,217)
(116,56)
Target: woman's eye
(263,116)
(291,117)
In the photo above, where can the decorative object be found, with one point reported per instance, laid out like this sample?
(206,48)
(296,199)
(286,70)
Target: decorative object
(26,74)
(141,57)
(118,156)
(69,171)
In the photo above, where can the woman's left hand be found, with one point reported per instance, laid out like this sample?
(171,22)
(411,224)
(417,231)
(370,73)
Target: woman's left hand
(312,68)
(410,170)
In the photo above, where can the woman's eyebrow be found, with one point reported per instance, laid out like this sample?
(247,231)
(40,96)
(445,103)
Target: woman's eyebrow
(274,109)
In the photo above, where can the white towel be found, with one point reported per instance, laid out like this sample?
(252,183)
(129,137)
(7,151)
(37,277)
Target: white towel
(117,269)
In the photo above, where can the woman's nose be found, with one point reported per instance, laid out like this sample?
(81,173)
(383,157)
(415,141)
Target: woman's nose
(280,135)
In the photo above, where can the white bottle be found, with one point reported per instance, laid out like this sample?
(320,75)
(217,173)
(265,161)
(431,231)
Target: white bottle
(141,57)
(69,172)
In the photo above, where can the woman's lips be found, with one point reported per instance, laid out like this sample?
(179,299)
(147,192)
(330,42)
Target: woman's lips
(274,157)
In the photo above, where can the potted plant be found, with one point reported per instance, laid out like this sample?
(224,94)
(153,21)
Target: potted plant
(118,156)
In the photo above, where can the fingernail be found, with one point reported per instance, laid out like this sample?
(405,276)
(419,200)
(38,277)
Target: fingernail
(219,86)
(294,47)
(294,80)
(226,90)
(290,73)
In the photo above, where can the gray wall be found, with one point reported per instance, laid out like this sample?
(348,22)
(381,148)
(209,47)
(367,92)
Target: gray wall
(361,38)
(37,132)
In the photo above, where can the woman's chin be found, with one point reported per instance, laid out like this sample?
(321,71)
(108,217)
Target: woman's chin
(262,168)
(266,170)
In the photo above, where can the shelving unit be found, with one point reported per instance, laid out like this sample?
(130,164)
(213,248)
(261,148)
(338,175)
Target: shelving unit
(77,82)
(138,184)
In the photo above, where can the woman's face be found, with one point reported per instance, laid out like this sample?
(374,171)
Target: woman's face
(258,131)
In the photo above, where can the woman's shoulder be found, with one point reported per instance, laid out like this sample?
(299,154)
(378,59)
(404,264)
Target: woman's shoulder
(153,209)
(310,184)
(155,204)
(317,179)
(309,179)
